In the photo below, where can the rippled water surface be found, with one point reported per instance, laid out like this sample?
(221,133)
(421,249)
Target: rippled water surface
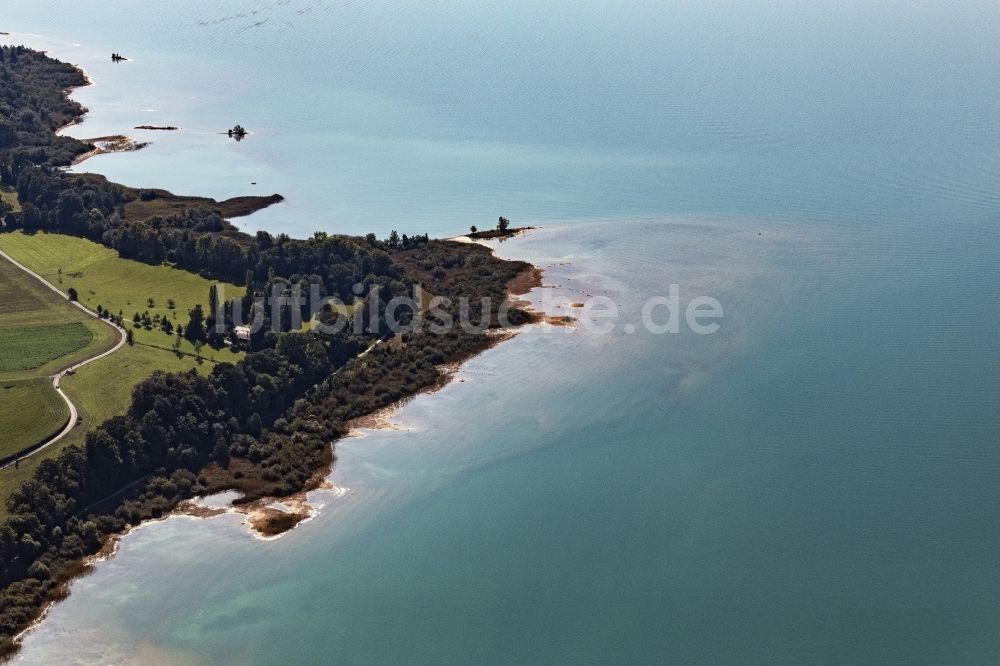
(434,116)
(814,482)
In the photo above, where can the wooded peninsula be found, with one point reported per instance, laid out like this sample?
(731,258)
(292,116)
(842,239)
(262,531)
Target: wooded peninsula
(264,424)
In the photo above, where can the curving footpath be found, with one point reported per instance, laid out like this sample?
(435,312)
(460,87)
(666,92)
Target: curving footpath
(73,413)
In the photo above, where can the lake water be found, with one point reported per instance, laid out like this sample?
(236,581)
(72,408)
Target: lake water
(817,481)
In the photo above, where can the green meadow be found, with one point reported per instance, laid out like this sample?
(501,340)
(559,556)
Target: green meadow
(41,333)
(29,347)
(117,375)
(99,390)
(30,411)
(102,278)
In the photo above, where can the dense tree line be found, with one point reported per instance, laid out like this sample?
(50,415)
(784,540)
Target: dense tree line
(176,424)
(33,106)
(197,239)
(264,426)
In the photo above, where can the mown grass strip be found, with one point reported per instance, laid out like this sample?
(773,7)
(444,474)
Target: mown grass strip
(31,411)
(30,347)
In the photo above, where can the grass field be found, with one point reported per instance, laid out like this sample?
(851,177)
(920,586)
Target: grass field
(9,195)
(30,347)
(116,375)
(102,278)
(104,388)
(40,332)
(30,411)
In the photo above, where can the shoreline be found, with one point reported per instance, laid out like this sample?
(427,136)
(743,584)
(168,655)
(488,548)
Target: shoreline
(238,206)
(525,282)
(263,518)
(259,515)
(258,510)
(105,145)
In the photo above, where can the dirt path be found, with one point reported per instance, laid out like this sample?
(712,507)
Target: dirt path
(73,413)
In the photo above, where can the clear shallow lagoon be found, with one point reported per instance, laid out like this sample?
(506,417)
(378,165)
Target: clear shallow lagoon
(815,482)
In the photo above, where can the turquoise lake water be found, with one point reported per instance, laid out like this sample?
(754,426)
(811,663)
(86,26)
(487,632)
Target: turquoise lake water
(815,482)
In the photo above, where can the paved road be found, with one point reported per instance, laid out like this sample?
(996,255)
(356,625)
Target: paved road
(73,413)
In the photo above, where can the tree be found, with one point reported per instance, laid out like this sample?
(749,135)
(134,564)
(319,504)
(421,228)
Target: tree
(473,229)
(72,294)
(8,133)
(69,209)
(393,240)
(254,425)
(221,451)
(214,320)
(195,329)
(248,297)
(264,240)
(503,223)
(129,338)
(213,301)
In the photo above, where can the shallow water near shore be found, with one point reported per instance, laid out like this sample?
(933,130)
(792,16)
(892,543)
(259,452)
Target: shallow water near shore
(801,484)
(814,482)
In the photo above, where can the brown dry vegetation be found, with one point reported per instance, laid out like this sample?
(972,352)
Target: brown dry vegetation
(163,203)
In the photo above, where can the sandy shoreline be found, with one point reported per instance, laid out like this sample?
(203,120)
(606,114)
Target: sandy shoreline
(381,419)
(114,143)
(524,283)
(259,513)
(267,518)
(262,516)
